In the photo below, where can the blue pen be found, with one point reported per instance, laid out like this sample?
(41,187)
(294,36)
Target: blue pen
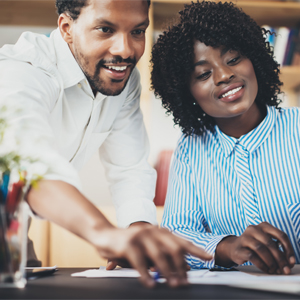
(156,276)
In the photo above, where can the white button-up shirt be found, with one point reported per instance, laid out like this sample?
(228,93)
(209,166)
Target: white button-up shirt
(40,75)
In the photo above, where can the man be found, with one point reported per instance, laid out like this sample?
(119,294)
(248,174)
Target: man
(80,91)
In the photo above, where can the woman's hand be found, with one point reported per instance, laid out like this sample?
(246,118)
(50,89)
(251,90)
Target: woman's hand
(141,246)
(265,246)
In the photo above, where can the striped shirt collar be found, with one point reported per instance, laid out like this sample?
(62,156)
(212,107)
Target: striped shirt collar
(251,140)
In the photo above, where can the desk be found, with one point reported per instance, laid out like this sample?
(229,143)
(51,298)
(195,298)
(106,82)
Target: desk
(62,286)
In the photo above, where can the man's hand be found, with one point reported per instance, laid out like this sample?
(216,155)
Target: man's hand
(112,264)
(264,245)
(138,245)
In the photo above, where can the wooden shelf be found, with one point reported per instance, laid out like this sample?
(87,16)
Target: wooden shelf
(273,13)
(28,13)
(290,76)
(43,13)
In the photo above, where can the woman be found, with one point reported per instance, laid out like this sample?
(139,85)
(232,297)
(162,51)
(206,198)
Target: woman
(234,186)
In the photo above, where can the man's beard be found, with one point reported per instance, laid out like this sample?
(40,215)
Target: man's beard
(99,85)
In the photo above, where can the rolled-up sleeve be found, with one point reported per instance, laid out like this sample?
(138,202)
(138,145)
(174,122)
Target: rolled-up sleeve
(34,93)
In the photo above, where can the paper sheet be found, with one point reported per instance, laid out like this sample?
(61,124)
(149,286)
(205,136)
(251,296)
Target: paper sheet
(131,273)
(274,283)
(102,272)
(41,268)
(246,277)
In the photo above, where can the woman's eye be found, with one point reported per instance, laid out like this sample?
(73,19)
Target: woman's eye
(234,60)
(203,76)
(104,29)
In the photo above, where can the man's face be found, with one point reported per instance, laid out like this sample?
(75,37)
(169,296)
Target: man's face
(107,40)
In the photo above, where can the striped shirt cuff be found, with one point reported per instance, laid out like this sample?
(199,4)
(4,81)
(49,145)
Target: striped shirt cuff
(211,248)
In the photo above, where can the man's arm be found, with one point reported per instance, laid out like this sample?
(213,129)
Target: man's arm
(64,205)
(35,94)
(57,197)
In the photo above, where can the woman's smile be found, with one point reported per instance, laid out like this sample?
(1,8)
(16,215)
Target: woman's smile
(224,84)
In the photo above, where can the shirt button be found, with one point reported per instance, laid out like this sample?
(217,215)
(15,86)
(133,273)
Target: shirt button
(79,85)
(254,217)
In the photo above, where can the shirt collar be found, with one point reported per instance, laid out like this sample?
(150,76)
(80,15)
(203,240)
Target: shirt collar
(253,139)
(68,67)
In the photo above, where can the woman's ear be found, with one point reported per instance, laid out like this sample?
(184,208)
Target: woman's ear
(65,23)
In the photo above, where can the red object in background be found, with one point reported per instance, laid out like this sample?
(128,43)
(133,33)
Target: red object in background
(14,196)
(14,226)
(162,169)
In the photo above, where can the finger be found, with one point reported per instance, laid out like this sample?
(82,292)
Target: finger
(255,259)
(111,265)
(257,246)
(176,254)
(137,260)
(190,248)
(279,256)
(161,257)
(283,239)
(281,248)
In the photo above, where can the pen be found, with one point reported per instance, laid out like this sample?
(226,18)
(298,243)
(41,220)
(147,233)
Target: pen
(221,269)
(156,276)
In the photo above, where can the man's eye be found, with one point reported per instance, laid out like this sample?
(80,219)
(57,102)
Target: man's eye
(203,76)
(104,29)
(138,31)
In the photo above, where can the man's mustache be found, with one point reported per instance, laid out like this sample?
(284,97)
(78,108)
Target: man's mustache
(117,60)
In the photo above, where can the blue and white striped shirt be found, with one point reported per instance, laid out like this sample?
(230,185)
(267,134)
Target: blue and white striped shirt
(219,185)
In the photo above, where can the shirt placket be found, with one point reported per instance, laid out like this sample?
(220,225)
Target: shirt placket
(247,192)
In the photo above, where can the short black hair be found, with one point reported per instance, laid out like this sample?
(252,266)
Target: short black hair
(73,7)
(216,25)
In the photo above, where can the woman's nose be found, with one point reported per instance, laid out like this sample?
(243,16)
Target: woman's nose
(223,75)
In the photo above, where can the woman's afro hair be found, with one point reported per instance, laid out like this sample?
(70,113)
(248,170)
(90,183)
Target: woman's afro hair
(216,25)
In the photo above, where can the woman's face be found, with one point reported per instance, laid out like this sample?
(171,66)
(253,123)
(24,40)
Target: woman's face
(223,83)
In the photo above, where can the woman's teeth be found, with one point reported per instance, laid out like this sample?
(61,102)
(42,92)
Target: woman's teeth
(231,92)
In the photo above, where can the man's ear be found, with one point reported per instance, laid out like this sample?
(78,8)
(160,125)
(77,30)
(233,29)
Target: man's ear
(65,23)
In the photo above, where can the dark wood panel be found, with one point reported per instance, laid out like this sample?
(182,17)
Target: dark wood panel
(264,12)
(30,13)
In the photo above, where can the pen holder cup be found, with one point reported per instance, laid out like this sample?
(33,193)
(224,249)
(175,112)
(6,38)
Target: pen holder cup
(13,233)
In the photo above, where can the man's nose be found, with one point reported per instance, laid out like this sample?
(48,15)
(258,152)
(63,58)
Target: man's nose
(122,46)
(223,75)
